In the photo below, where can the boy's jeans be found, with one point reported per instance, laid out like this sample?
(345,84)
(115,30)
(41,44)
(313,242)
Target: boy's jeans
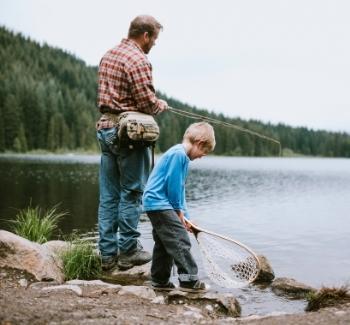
(123,176)
(171,244)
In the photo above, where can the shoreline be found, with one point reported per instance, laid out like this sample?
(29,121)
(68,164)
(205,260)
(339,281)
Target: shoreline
(23,302)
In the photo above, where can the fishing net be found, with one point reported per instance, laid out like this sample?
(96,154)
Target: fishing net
(227,264)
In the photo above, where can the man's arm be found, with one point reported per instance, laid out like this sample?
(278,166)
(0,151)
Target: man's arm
(143,91)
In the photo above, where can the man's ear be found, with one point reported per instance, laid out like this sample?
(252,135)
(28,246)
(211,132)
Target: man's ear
(146,36)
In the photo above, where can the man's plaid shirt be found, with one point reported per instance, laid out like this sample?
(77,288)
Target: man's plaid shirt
(125,82)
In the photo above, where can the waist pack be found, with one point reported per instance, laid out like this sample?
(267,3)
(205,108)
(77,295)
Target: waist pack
(137,127)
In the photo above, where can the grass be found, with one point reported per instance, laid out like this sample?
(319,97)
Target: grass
(327,297)
(81,261)
(36,225)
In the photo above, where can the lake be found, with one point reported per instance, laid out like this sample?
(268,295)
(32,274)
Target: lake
(295,211)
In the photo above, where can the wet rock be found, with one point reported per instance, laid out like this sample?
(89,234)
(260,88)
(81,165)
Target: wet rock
(291,288)
(136,275)
(19,253)
(224,304)
(139,291)
(266,274)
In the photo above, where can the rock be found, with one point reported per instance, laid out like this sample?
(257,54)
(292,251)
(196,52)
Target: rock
(40,285)
(193,312)
(56,246)
(227,300)
(23,282)
(74,288)
(139,291)
(209,308)
(290,287)
(160,300)
(95,288)
(224,304)
(19,253)
(266,274)
(136,275)
(94,283)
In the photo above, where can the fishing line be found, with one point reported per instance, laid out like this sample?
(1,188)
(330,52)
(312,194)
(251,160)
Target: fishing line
(225,124)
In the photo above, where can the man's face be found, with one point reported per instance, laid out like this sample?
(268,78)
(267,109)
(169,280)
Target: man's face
(149,41)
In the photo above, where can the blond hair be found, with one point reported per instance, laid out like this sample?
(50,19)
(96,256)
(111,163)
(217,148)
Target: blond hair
(201,131)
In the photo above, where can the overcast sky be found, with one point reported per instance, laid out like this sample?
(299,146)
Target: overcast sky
(272,60)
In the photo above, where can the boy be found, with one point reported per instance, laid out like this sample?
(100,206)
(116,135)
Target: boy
(165,204)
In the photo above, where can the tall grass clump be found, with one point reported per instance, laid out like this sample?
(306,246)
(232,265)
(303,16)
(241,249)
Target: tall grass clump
(35,224)
(81,261)
(327,297)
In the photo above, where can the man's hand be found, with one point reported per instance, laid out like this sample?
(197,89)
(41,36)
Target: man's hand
(163,106)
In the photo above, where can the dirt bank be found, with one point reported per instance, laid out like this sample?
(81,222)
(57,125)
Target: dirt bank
(23,303)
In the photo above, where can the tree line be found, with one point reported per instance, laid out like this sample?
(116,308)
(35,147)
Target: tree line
(48,101)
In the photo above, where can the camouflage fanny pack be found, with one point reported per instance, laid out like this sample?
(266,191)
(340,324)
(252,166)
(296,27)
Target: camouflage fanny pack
(137,127)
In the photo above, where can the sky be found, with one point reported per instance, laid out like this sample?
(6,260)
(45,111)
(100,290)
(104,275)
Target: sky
(276,61)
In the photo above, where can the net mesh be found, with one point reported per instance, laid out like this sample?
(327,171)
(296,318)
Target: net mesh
(226,263)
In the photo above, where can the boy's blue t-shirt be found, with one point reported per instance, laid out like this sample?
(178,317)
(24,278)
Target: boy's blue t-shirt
(165,189)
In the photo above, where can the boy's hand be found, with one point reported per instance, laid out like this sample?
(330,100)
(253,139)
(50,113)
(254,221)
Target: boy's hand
(183,221)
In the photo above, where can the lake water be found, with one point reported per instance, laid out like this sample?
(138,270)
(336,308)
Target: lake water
(295,211)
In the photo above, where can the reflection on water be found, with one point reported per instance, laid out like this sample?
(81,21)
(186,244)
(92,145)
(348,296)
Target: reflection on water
(294,211)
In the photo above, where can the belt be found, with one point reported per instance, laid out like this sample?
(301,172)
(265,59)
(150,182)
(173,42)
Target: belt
(105,109)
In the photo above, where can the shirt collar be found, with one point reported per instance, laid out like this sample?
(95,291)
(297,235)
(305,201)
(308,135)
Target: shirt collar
(184,150)
(130,42)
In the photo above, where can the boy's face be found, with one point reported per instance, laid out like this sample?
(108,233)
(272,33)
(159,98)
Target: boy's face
(198,150)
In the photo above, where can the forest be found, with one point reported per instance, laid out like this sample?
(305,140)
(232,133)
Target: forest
(48,102)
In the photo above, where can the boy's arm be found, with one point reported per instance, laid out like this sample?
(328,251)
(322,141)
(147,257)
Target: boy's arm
(175,181)
(183,221)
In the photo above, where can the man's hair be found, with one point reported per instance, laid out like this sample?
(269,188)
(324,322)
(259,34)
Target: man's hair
(201,131)
(142,24)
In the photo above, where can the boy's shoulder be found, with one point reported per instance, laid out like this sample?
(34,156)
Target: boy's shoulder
(176,150)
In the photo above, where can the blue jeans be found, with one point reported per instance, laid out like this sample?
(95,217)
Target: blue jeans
(171,244)
(123,175)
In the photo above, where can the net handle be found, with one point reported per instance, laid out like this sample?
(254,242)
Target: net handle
(198,229)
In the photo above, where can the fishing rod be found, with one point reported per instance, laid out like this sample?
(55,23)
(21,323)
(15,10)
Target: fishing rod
(225,124)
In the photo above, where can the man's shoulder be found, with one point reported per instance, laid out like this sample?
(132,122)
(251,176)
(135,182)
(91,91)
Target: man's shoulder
(127,54)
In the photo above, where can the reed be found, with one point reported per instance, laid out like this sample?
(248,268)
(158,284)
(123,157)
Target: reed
(35,224)
(327,297)
(81,261)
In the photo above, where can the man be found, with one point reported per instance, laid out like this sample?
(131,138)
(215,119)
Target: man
(125,84)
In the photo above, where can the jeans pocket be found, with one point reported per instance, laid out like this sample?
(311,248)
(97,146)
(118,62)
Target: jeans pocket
(111,136)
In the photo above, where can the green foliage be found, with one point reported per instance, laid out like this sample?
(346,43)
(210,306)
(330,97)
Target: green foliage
(48,102)
(47,97)
(36,225)
(80,261)
(327,297)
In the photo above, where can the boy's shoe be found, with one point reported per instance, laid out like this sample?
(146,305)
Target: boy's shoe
(108,263)
(193,286)
(163,287)
(130,259)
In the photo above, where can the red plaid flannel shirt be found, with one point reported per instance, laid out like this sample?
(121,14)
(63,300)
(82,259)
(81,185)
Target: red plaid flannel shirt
(125,82)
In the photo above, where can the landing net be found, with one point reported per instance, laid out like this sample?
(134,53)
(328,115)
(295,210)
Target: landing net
(227,264)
